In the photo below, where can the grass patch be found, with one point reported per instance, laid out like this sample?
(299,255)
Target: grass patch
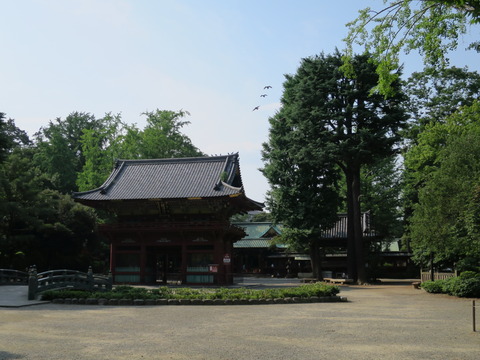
(132,293)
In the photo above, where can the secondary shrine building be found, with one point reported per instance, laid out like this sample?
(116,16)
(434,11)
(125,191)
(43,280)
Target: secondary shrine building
(172,218)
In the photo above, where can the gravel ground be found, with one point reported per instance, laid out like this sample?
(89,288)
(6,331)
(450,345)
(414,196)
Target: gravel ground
(378,322)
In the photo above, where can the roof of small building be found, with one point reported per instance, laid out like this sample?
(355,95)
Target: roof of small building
(258,234)
(174,178)
(260,230)
(339,230)
(255,243)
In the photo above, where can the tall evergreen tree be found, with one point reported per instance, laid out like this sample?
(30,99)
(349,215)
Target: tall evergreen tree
(329,123)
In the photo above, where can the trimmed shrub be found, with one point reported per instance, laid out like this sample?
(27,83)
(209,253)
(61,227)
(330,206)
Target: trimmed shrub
(469,287)
(465,285)
(225,294)
(434,287)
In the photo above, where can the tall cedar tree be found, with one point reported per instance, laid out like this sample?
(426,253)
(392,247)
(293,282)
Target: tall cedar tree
(329,123)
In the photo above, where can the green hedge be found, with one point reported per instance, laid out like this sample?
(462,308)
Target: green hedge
(130,292)
(465,285)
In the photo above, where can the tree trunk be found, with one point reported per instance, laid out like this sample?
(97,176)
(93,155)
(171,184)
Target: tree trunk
(355,250)
(351,258)
(315,259)
(358,231)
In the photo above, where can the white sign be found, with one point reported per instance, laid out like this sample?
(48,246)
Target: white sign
(226,259)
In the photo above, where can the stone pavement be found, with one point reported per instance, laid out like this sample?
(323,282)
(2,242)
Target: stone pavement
(16,296)
(391,320)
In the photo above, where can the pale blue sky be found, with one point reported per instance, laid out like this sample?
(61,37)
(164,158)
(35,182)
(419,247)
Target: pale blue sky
(209,57)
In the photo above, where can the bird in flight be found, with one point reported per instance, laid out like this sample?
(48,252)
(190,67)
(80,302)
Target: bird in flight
(263,95)
(267,87)
(256,108)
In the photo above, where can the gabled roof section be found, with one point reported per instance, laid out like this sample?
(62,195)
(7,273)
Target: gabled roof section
(339,230)
(259,230)
(258,235)
(175,178)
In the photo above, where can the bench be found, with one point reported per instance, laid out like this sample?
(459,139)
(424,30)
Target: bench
(309,280)
(338,281)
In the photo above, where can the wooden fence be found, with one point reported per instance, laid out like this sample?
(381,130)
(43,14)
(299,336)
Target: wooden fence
(66,279)
(427,275)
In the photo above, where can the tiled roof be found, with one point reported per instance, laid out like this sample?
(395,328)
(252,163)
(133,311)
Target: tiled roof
(199,177)
(339,230)
(257,230)
(260,233)
(255,243)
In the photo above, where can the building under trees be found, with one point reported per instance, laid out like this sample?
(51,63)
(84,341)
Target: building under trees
(171,218)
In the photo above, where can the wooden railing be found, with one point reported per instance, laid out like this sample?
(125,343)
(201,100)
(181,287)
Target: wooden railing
(66,279)
(13,277)
(427,276)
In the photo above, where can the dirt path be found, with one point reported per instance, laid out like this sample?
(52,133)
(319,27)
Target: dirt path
(378,322)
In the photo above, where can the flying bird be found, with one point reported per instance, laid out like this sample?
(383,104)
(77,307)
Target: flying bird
(267,87)
(256,108)
(263,95)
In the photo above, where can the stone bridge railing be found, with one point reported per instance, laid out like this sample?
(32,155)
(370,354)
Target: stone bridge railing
(13,277)
(66,279)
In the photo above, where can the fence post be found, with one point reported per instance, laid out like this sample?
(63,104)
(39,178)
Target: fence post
(90,278)
(109,281)
(473,313)
(32,282)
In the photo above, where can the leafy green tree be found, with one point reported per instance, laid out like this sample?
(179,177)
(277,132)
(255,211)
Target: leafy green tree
(59,150)
(67,233)
(41,226)
(10,136)
(445,222)
(100,148)
(161,138)
(432,27)
(328,123)
(5,144)
(381,195)
(433,95)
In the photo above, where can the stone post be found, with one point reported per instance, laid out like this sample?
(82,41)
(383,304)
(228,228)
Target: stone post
(109,281)
(90,279)
(32,282)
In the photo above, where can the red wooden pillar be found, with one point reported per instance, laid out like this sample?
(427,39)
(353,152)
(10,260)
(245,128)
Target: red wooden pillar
(113,249)
(228,261)
(183,268)
(217,259)
(143,262)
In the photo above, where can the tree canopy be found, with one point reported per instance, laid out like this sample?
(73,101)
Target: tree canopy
(433,27)
(59,149)
(445,222)
(39,222)
(433,95)
(161,138)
